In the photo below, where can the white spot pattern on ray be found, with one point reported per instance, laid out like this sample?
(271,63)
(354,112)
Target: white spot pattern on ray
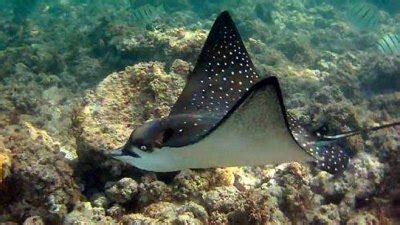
(329,155)
(232,68)
(223,73)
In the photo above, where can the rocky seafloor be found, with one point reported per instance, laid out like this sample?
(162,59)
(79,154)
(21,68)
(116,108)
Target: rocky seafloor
(65,99)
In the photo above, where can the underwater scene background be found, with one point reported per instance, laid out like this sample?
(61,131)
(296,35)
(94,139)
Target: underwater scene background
(77,76)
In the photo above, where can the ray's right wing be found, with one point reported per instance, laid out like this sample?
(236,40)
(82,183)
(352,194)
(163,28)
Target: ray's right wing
(329,155)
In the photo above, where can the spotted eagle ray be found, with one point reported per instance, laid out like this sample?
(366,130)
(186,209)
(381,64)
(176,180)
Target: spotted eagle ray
(227,116)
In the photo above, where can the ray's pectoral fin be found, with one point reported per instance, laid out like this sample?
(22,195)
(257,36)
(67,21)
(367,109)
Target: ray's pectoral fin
(321,131)
(328,154)
(223,72)
(331,157)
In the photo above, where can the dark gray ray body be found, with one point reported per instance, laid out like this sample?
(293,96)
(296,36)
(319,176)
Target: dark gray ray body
(226,116)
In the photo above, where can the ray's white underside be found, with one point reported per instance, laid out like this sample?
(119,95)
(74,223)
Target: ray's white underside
(255,134)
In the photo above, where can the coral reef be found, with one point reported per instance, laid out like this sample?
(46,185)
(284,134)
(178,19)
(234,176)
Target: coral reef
(289,192)
(41,181)
(122,191)
(5,161)
(168,213)
(382,75)
(84,213)
(156,45)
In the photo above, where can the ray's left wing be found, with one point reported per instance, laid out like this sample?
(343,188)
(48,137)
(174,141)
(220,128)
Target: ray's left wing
(222,74)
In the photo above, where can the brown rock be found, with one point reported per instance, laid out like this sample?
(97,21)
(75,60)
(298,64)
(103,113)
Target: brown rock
(5,166)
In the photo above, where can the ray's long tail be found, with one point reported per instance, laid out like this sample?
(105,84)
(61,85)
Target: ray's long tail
(357,132)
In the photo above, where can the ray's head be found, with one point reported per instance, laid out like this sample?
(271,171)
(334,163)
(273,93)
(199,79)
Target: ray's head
(145,138)
(173,132)
(148,136)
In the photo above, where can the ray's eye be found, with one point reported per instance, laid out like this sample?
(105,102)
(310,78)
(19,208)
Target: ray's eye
(146,148)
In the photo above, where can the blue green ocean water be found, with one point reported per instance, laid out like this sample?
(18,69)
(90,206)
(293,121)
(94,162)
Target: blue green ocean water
(76,77)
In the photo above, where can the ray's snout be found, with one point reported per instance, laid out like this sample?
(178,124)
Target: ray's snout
(116,153)
(123,152)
